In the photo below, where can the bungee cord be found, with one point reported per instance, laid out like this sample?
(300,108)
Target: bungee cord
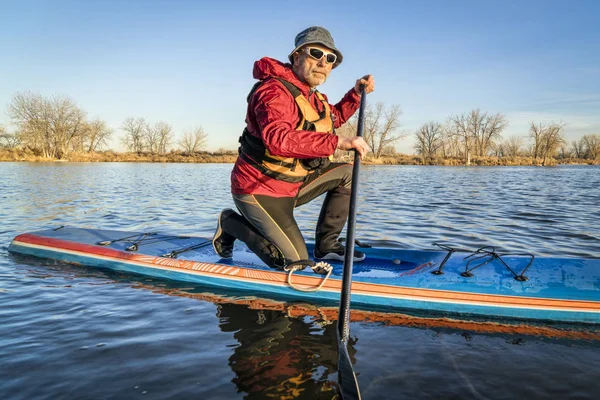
(485,254)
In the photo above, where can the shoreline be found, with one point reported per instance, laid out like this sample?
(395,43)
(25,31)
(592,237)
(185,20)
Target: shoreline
(229,157)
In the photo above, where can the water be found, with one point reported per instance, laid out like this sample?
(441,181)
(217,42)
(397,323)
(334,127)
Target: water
(76,332)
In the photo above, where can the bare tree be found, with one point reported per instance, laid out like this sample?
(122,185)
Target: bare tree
(536,133)
(592,145)
(193,140)
(134,134)
(486,130)
(381,125)
(552,138)
(460,128)
(563,151)
(389,150)
(497,149)
(51,126)
(429,140)
(11,140)
(578,148)
(512,146)
(31,115)
(97,135)
(477,131)
(69,123)
(450,142)
(156,138)
(529,150)
(344,131)
(165,136)
(4,138)
(151,137)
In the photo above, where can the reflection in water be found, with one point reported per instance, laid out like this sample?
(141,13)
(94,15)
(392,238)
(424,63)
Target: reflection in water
(328,315)
(288,349)
(279,356)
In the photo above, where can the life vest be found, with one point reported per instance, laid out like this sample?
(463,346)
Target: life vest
(289,169)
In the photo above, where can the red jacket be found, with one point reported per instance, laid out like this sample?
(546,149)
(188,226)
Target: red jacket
(273,116)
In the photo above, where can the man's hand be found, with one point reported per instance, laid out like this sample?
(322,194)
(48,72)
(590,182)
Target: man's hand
(355,142)
(366,80)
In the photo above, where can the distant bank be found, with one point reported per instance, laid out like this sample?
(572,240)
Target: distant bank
(12,155)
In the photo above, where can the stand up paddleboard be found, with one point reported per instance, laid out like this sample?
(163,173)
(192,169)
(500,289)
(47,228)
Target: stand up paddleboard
(483,283)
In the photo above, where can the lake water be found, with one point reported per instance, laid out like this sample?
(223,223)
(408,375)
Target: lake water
(75,332)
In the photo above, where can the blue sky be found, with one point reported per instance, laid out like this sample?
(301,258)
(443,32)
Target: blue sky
(190,62)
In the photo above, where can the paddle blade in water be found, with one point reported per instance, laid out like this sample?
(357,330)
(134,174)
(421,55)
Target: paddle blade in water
(347,382)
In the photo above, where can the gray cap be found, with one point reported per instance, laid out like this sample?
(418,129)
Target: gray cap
(316,35)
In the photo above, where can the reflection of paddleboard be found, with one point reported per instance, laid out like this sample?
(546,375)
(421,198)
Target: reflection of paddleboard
(324,315)
(554,289)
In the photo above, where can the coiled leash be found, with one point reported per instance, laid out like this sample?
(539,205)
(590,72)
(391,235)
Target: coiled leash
(321,268)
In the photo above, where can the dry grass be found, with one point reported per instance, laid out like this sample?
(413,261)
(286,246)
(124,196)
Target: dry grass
(111,156)
(230,157)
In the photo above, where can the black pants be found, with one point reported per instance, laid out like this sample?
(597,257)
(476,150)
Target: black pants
(272,218)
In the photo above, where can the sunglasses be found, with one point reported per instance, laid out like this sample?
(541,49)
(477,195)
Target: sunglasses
(318,54)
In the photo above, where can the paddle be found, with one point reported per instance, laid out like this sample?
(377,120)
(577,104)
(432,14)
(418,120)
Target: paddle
(346,377)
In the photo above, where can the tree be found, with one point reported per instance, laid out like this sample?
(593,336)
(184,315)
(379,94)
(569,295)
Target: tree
(563,151)
(578,148)
(450,142)
(429,140)
(142,136)
(30,113)
(97,135)
(486,129)
(380,126)
(49,125)
(592,145)
(461,131)
(134,134)
(389,150)
(344,131)
(477,131)
(536,133)
(11,140)
(552,138)
(497,150)
(165,136)
(193,140)
(151,137)
(4,138)
(512,146)
(70,125)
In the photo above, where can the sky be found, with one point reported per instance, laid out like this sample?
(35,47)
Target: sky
(189,63)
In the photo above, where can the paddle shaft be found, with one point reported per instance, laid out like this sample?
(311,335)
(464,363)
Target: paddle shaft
(344,311)
(347,381)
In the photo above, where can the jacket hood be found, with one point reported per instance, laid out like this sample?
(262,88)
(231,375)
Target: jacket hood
(270,68)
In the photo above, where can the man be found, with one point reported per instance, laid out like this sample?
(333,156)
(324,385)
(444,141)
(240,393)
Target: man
(285,156)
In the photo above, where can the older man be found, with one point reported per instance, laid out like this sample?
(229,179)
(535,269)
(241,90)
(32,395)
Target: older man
(285,157)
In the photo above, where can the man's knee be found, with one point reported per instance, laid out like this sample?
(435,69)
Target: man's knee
(346,175)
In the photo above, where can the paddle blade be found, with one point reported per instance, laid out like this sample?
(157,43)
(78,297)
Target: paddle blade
(347,382)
